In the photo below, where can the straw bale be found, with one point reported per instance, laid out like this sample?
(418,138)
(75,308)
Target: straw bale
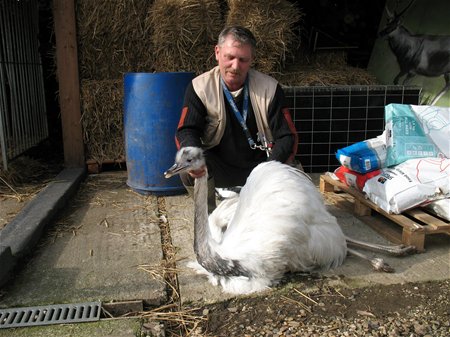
(275,26)
(323,69)
(322,77)
(184,34)
(113,38)
(102,119)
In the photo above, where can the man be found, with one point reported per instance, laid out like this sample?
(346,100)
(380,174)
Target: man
(236,114)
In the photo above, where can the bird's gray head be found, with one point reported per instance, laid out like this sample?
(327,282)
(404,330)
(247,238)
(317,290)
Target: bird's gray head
(187,158)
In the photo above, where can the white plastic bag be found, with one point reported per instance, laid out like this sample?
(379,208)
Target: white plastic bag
(435,122)
(440,208)
(405,138)
(409,184)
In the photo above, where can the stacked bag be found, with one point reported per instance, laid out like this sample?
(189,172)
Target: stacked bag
(408,165)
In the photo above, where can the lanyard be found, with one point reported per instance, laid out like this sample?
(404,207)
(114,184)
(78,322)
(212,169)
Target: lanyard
(240,117)
(243,117)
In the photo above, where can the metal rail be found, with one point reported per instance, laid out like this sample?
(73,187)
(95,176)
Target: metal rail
(23,118)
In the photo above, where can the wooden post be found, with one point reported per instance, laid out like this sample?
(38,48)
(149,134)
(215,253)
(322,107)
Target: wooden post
(324,186)
(361,209)
(68,79)
(414,238)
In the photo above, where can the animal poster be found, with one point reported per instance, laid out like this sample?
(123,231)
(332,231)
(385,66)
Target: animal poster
(413,48)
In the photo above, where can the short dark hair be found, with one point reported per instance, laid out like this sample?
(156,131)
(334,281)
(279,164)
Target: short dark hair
(240,34)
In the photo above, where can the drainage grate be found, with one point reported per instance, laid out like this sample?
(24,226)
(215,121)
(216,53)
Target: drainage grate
(50,314)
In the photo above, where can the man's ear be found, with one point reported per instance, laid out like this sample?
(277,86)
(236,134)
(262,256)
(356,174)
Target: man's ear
(216,52)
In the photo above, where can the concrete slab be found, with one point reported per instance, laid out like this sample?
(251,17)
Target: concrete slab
(193,287)
(7,263)
(94,250)
(434,264)
(22,233)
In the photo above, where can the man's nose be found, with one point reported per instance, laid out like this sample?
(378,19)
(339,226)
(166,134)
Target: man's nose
(235,64)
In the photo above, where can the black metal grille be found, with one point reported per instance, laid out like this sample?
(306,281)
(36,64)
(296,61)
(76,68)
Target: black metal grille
(50,314)
(23,115)
(329,118)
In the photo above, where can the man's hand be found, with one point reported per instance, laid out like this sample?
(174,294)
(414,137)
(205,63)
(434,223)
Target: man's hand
(198,173)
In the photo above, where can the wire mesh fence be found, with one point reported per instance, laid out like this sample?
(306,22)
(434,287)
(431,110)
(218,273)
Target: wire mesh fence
(329,118)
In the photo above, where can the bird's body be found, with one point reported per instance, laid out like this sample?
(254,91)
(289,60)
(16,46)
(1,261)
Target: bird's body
(279,223)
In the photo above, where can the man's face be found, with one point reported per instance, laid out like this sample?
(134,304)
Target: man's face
(234,61)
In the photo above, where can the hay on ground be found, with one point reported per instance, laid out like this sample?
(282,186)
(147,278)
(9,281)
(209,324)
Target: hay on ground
(24,178)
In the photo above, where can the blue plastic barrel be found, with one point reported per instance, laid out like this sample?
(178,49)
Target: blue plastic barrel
(152,109)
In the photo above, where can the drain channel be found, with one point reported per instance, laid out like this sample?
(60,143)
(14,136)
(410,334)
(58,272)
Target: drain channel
(50,314)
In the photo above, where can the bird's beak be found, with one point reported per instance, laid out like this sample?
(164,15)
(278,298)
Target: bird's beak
(173,170)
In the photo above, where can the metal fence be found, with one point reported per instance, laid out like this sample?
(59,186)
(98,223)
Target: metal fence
(23,119)
(329,118)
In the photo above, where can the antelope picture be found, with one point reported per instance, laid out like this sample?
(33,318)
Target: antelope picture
(417,54)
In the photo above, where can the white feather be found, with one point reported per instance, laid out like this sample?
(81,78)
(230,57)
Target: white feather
(278,223)
(221,217)
(281,224)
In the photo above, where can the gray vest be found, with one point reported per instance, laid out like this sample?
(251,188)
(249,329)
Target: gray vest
(208,89)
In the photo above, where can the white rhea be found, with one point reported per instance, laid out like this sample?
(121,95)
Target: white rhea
(277,224)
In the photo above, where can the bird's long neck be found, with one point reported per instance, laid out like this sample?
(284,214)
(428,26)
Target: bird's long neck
(206,254)
(202,235)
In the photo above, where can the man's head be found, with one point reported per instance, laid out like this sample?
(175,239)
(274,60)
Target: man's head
(234,51)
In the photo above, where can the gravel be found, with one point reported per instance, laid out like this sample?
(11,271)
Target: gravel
(413,310)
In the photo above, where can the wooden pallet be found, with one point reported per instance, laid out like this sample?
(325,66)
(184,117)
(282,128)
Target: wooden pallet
(415,223)
(94,166)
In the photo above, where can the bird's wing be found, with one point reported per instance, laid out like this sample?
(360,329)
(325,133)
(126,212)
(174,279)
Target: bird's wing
(221,217)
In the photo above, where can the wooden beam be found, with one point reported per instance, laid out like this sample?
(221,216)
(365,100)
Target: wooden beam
(68,79)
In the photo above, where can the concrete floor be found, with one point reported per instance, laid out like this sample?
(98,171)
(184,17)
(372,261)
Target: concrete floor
(95,250)
(106,245)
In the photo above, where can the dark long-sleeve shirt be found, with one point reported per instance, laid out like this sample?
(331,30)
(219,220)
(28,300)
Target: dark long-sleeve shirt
(234,148)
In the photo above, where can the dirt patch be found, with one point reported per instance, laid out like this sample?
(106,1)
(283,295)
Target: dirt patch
(416,309)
